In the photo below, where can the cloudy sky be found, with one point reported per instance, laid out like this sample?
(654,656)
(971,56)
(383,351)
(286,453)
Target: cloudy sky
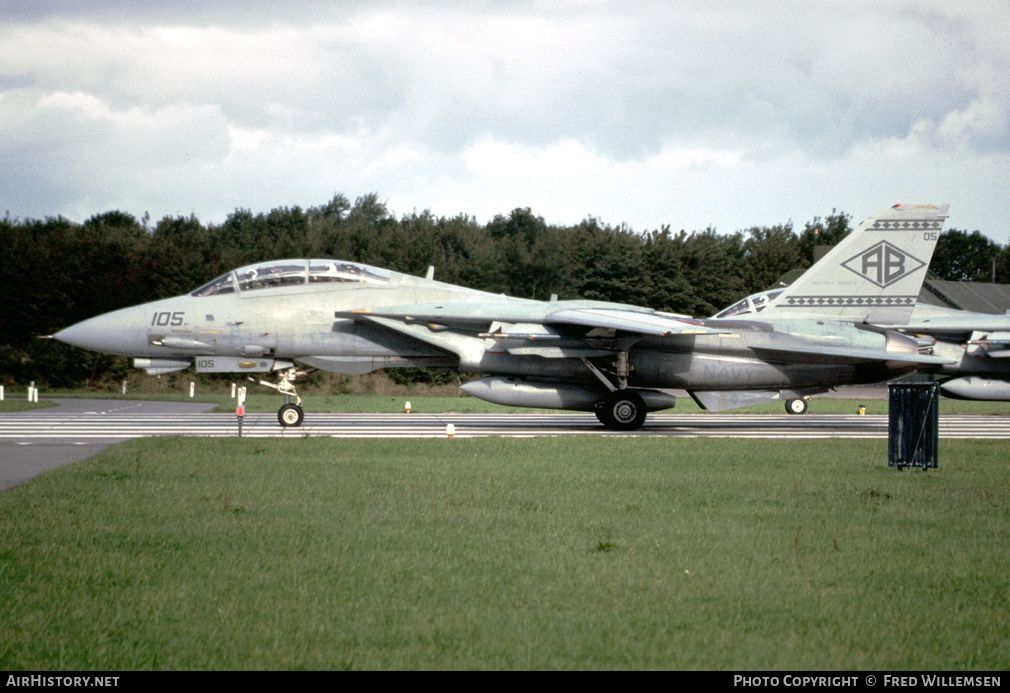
(687,113)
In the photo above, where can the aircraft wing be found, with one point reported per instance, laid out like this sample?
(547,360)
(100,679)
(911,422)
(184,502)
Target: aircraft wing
(449,313)
(657,324)
(643,321)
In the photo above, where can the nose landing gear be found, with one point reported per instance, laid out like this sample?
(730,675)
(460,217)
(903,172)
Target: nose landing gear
(796,406)
(290,415)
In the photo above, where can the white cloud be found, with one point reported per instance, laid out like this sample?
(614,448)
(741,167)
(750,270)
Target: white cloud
(729,113)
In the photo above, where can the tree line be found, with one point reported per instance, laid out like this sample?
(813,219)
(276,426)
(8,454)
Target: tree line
(54,272)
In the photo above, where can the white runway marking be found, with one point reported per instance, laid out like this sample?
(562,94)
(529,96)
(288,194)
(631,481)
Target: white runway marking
(48,426)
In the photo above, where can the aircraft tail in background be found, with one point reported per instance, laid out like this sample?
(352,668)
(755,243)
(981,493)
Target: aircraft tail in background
(874,275)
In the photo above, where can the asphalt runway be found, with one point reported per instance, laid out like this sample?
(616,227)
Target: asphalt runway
(34,441)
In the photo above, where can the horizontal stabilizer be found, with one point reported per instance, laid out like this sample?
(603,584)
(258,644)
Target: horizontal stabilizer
(967,322)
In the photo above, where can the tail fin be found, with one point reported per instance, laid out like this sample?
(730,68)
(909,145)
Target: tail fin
(874,275)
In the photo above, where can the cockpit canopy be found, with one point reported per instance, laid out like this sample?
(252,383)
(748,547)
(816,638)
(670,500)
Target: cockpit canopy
(270,275)
(755,303)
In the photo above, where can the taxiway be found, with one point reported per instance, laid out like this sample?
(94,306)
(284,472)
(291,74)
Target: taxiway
(34,441)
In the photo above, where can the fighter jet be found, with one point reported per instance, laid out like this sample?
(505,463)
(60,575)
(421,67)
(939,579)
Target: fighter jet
(977,346)
(290,316)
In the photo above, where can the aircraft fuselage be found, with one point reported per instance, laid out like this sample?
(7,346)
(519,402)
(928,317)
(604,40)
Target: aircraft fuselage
(614,359)
(250,331)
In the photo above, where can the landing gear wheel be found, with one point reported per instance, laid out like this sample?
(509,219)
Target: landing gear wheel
(623,410)
(290,415)
(796,406)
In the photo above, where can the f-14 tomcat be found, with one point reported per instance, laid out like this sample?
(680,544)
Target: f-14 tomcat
(608,358)
(977,345)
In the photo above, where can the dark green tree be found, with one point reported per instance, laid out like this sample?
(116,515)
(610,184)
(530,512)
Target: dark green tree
(608,264)
(962,256)
(180,257)
(768,253)
(664,260)
(712,265)
(828,231)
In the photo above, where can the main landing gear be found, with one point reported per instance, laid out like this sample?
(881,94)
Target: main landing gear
(620,409)
(290,415)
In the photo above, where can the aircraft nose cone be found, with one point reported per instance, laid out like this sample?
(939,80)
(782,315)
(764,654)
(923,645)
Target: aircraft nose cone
(120,332)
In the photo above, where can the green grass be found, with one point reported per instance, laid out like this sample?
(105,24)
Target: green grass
(551,553)
(11,405)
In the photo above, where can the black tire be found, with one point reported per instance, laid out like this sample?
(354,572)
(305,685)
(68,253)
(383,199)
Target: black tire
(623,410)
(796,406)
(290,416)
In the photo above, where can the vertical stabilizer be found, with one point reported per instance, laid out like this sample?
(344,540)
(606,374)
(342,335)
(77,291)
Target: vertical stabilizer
(874,275)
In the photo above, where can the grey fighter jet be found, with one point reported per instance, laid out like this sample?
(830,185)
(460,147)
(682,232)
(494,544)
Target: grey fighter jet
(977,346)
(612,359)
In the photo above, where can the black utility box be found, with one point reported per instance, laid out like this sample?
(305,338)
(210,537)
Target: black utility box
(913,429)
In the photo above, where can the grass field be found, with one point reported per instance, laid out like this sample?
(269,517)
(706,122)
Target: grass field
(551,553)
(9,405)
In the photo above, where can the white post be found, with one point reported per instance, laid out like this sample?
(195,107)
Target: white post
(1,393)
(192,389)
(124,387)
(233,388)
